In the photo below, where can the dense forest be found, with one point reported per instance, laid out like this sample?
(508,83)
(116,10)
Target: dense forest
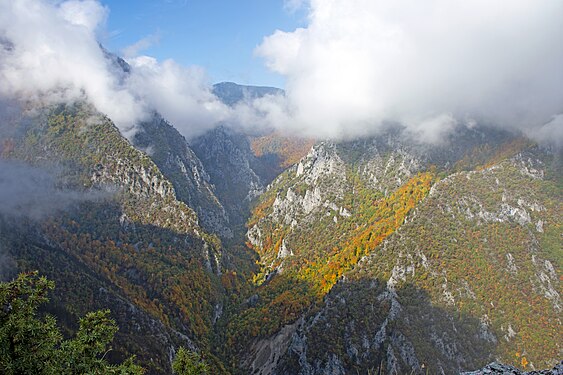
(378,253)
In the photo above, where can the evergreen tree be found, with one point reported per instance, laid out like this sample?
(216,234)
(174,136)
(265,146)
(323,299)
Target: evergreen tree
(188,363)
(33,345)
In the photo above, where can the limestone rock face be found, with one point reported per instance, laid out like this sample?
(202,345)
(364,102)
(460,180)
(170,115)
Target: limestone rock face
(233,170)
(177,161)
(497,368)
(433,295)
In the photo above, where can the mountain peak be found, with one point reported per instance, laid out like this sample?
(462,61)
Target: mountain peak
(232,93)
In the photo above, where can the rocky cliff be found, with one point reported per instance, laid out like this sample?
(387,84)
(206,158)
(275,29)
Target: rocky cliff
(384,254)
(125,242)
(233,170)
(378,254)
(174,157)
(500,369)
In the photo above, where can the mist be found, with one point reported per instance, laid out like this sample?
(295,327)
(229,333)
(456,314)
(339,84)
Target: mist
(357,66)
(35,193)
(429,65)
(8,266)
(182,95)
(50,54)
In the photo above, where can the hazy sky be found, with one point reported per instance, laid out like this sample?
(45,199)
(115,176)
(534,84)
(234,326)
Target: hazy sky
(220,35)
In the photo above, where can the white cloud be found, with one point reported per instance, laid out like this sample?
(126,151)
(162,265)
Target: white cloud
(551,132)
(141,45)
(53,56)
(425,64)
(49,52)
(87,13)
(358,64)
(181,94)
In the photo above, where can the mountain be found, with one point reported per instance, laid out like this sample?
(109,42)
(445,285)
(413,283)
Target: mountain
(172,154)
(125,243)
(272,254)
(231,93)
(241,162)
(233,170)
(389,254)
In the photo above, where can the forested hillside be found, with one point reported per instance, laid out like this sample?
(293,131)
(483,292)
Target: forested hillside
(380,254)
(126,243)
(385,255)
(386,199)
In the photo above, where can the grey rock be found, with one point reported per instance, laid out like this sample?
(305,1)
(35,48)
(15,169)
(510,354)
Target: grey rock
(497,368)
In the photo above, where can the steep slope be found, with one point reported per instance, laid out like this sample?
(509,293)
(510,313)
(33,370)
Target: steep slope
(473,275)
(233,170)
(241,165)
(241,162)
(337,223)
(136,249)
(170,151)
(173,156)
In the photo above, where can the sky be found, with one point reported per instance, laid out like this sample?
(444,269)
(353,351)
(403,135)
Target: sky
(220,35)
(348,67)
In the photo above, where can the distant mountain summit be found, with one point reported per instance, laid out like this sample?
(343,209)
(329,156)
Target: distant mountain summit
(232,93)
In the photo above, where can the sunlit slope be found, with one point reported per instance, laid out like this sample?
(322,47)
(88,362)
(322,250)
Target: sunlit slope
(406,259)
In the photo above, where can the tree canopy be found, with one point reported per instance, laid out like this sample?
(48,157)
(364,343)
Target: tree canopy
(30,344)
(189,363)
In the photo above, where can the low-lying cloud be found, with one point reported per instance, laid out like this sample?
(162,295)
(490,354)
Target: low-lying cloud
(426,64)
(181,94)
(49,52)
(358,64)
(34,193)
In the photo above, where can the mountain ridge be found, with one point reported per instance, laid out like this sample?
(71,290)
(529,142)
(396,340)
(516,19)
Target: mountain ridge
(357,252)
(283,247)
